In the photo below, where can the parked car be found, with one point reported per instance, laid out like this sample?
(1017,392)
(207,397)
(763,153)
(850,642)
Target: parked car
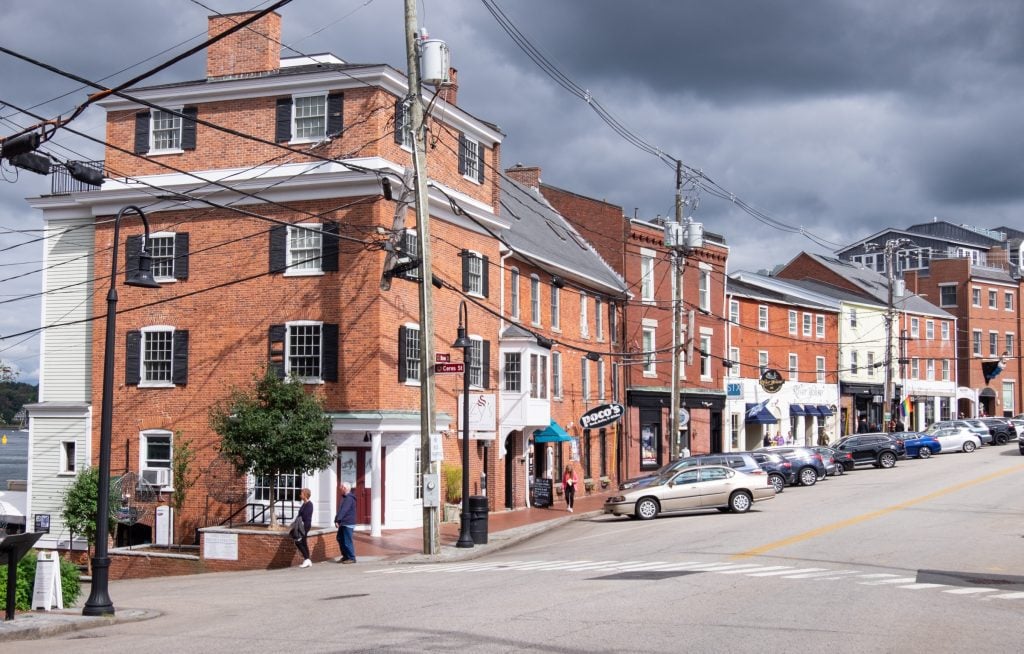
(920,445)
(878,449)
(1018,426)
(956,439)
(978,428)
(833,463)
(808,464)
(1002,431)
(780,471)
(844,459)
(736,460)
(693,489)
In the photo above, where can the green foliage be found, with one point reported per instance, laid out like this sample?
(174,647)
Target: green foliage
(70,584)
(181,465)
(452,482)
(13,396)
(80,505)
(274,428)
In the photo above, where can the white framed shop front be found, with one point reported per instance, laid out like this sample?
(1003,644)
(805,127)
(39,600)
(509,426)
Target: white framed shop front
(800,413)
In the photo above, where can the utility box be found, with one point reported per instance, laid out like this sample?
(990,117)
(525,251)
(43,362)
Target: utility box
(435,62)
(164,526)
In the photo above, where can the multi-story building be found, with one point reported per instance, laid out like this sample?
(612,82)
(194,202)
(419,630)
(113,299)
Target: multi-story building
(269,230)
(865,352)
(779,326)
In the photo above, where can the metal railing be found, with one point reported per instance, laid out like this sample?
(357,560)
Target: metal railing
(62,183)
(258,513)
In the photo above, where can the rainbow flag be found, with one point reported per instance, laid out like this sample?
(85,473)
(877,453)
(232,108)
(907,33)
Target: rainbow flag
(906,407)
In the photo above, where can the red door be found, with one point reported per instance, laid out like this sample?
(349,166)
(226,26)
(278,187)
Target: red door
(355,469)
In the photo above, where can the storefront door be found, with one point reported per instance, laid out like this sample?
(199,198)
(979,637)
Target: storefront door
(355,469)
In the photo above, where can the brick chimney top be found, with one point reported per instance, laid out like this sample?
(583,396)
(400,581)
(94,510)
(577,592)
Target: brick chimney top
(253,49)
(450,92)
(527,175)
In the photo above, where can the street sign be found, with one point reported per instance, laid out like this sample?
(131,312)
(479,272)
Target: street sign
(440,357)
(441,368)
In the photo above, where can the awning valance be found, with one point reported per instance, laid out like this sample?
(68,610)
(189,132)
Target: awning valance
(796,410)
(811,410)
(759,414)
(824,411)
(551,434)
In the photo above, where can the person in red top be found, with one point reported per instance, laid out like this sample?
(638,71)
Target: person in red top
(569,483)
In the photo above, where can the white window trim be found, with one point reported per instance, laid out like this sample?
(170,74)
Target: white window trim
(976,291)
(296,96)
(941,286)
(819,321)
(807,322)
(473,162)
(479,257)
(598,319)
(1008,295)
(143,382)
(705,338)
(915,327)
(929,330)
(944,330)
(287,348)
(289,271)
(762,355)
(819,369)
(409,381)
(734,312)
(761,308)
(584,318)
(152,126)
(556,309)
(734,358)
(535,312)
(647,258)
(556,362)
(63,470)
(794,322)
(794,367)
(513,291)
(476,337)
(163,279)
(646,327)
(143,437)
(976,339)
(704,296)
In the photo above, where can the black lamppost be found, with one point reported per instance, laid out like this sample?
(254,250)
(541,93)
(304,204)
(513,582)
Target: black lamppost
(463,341)
(99,600)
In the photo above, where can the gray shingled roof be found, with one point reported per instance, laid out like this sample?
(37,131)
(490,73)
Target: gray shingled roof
(749,287)
(540,235)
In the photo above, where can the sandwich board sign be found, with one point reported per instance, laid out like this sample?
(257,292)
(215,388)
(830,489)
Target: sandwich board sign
(47,592)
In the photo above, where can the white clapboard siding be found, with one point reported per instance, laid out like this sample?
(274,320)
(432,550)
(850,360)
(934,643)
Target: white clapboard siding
(46,484)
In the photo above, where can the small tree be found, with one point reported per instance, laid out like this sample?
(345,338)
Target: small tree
(181,465)
(80,510)
(275,428)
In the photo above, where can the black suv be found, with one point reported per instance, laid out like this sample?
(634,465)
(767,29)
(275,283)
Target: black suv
(781,472)
(1001,430)
(880,450)
(809,465)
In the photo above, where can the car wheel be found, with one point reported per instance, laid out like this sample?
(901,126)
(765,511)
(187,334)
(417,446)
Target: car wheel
(808,477)
(1002,439)
(777,482)
(886,459)
(647,508)
(840,469)
(925,452)
(740,502)
(969,446)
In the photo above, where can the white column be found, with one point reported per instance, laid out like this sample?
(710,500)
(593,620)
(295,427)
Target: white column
(919,417)
(375,492)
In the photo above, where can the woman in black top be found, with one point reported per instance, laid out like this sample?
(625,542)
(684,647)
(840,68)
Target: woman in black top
(306,514)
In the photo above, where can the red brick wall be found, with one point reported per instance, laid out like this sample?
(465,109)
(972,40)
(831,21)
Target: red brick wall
(254,49)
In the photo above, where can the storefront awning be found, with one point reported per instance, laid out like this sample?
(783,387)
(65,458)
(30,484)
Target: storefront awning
(796,410)
(824,411)
(759,415)
(551,434)
(811,410)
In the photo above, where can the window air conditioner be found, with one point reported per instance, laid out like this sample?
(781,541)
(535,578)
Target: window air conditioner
(158,477)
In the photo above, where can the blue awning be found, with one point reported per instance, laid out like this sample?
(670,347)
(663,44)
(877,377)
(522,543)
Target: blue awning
(811,410)
(796,410)
(824,410)
(551,434)
(760,416)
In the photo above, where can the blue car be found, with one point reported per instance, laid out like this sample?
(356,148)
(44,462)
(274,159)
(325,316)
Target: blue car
(920,445)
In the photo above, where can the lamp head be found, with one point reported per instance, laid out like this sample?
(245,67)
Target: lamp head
(462,341)
(143,277)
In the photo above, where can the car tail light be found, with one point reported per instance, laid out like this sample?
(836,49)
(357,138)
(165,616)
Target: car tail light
(817,456)
(787,465)
(756,472)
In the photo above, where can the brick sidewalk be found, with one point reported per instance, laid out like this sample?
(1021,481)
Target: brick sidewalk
(396,544)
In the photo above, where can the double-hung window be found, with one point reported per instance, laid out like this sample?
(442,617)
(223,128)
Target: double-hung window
(1009,344)
(705,356)
(409,353)
(535,299)
(648,351)
(600,380)
(915,327)
(762,362)
(310,118)
(584,319)
(513,372)
(155,452)
(585,377)
(976,342)
(853,362)
(792,323)
(762,318)
(793,367)
(647,276)
(304,347)
(819,368)
(704,290)
(157,356)
(474,273)
(993,344)
(945,330)
(993,299)
(305,249)
(538,376)
(166,131)
(870,365)
(807,324)
(598,319)
(476,362)
(161,252)
(1008,301)
(947,295)
(734,312)
(734,359)
(513,288)
(289,486)
(819,326)
(929,329)
(471,159)
(556,374)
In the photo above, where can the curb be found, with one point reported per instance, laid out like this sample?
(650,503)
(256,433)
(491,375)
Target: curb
(38,625)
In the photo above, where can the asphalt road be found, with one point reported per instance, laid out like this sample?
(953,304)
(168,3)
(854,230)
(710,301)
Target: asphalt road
(925,557)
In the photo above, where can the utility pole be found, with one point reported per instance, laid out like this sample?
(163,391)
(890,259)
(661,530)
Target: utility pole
(889,251)
(428,409)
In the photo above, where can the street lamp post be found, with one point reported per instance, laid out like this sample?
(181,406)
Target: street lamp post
(463,341)
(99,599)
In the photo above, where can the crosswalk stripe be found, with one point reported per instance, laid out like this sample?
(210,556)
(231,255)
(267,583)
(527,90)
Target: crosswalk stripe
(883,582)
(805,571)
(1007,596)
(922,586)
(827,574)
(969,591)
(760,568)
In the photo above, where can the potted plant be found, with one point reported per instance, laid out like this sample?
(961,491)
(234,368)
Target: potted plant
(452,491)
(588,484)
(605,481)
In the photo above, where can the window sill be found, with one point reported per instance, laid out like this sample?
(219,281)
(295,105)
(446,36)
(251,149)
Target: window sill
(165,280)
(157,153)
(474,179)
(413,382)
(303,273)
(650,375)
(66,473)
(308,141)
(154,384)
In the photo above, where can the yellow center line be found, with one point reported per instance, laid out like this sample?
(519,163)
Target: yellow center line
(842,524)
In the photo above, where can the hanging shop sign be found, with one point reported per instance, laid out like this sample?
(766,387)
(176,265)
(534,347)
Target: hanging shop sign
(601,416)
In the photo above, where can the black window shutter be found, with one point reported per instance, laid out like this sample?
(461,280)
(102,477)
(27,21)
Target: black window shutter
(142,132)
(181,255)
(465,269)
(132,356)
(485,350)
(132,248)
(403,371)
(180,363)
(335,114)
(278,245)
(484,277)
(400,119)
(275,349)
(329,254)
(329,354)
(188,128)
(283,120)
(480,162)
(463,146)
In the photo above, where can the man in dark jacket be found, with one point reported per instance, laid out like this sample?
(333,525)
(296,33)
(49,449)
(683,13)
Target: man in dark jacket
(345,521)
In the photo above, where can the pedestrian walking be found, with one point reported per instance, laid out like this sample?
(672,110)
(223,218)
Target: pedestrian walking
(345,521)
(300,528)
(569,483)
(767,442)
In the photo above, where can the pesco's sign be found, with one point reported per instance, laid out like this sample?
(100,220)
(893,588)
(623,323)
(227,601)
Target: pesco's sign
(602,415)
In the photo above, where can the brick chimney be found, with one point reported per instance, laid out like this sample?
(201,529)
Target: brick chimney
(451,89)
(253,49)
(526,175)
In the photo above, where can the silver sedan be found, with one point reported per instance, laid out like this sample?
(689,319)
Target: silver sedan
(693,489)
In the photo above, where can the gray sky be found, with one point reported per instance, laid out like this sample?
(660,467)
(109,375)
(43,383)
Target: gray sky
(840,117)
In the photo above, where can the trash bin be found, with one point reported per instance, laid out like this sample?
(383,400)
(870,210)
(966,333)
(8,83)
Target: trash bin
(478,519)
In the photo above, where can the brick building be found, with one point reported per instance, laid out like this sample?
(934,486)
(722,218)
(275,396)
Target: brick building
(262,187)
